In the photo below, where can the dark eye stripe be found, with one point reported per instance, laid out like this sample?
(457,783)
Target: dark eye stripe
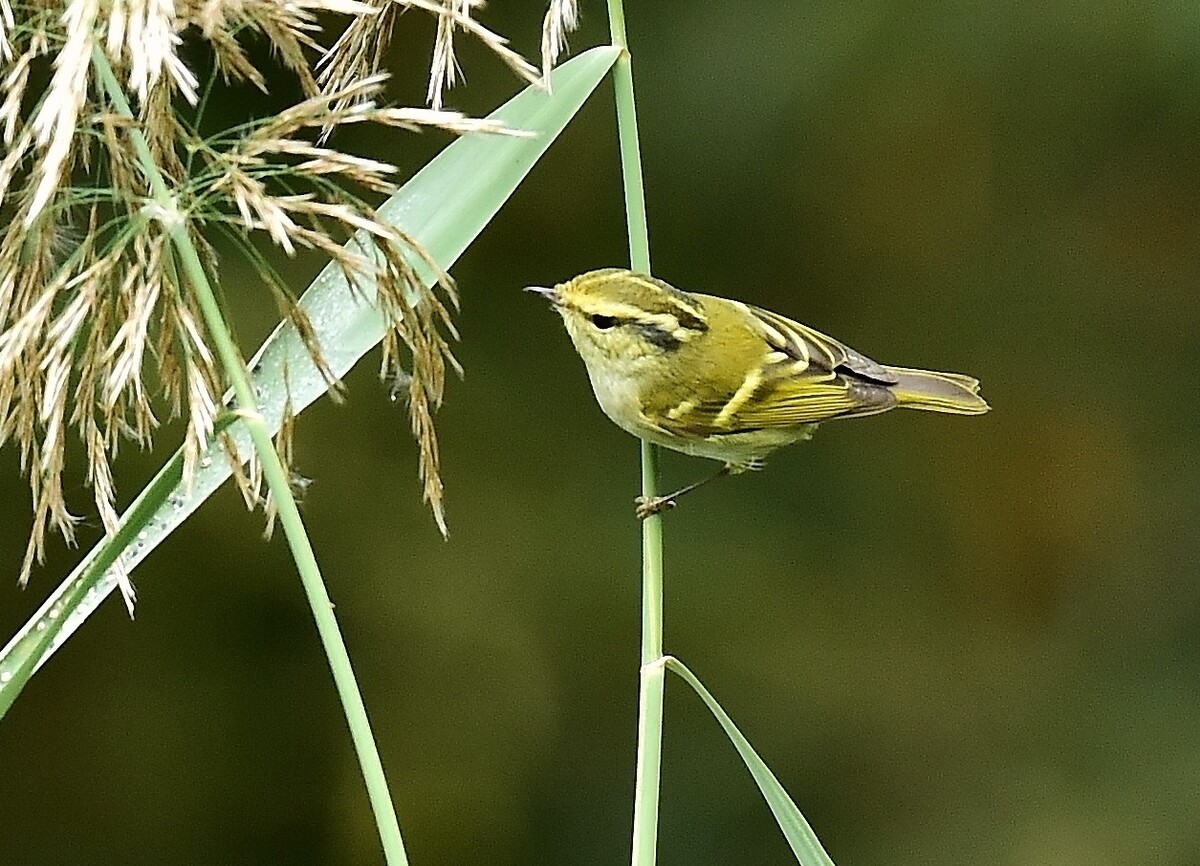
(658,337)
(692,322)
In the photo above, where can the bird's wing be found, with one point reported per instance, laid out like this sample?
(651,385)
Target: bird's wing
(801,342)
(806,377)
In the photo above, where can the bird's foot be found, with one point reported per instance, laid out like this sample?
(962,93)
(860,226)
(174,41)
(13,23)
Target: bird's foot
(646,506)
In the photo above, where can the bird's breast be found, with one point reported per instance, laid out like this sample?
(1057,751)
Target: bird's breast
(620,398)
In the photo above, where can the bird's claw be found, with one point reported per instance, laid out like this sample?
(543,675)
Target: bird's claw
(646,506)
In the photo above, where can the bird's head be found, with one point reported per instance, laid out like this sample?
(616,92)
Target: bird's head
(615,316)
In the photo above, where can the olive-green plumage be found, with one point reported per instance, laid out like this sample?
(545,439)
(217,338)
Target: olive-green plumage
(725,380)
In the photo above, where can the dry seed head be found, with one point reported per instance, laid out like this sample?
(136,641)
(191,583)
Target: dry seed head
(455,15)
(561,18)
(99,331)
(7,23)
(444,70)
(358,52)
(54,125)
(142,33)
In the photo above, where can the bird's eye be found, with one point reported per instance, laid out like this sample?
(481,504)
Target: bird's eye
(604,322)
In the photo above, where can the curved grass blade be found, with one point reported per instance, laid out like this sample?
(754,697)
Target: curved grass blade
(444,207)
(799,835)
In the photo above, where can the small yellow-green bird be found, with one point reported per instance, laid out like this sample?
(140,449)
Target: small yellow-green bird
(721,379)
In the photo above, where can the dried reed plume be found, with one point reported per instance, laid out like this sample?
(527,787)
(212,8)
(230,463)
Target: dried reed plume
(103,177)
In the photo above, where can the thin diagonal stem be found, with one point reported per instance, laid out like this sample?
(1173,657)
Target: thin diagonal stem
(276,477)
(652,676)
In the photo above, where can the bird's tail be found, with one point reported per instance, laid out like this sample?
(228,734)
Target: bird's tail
(937,392)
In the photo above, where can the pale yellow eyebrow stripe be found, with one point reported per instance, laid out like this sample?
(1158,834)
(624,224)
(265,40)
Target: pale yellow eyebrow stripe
(618,310)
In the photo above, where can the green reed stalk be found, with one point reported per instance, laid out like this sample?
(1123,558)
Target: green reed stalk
(652,675)
(277,481)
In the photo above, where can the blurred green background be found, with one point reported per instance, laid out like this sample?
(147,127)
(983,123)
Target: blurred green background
(954,640)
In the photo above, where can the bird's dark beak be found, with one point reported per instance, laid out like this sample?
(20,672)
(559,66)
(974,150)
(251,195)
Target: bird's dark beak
(550,295)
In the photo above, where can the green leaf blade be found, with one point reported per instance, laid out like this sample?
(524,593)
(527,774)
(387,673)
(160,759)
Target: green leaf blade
(800,836)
